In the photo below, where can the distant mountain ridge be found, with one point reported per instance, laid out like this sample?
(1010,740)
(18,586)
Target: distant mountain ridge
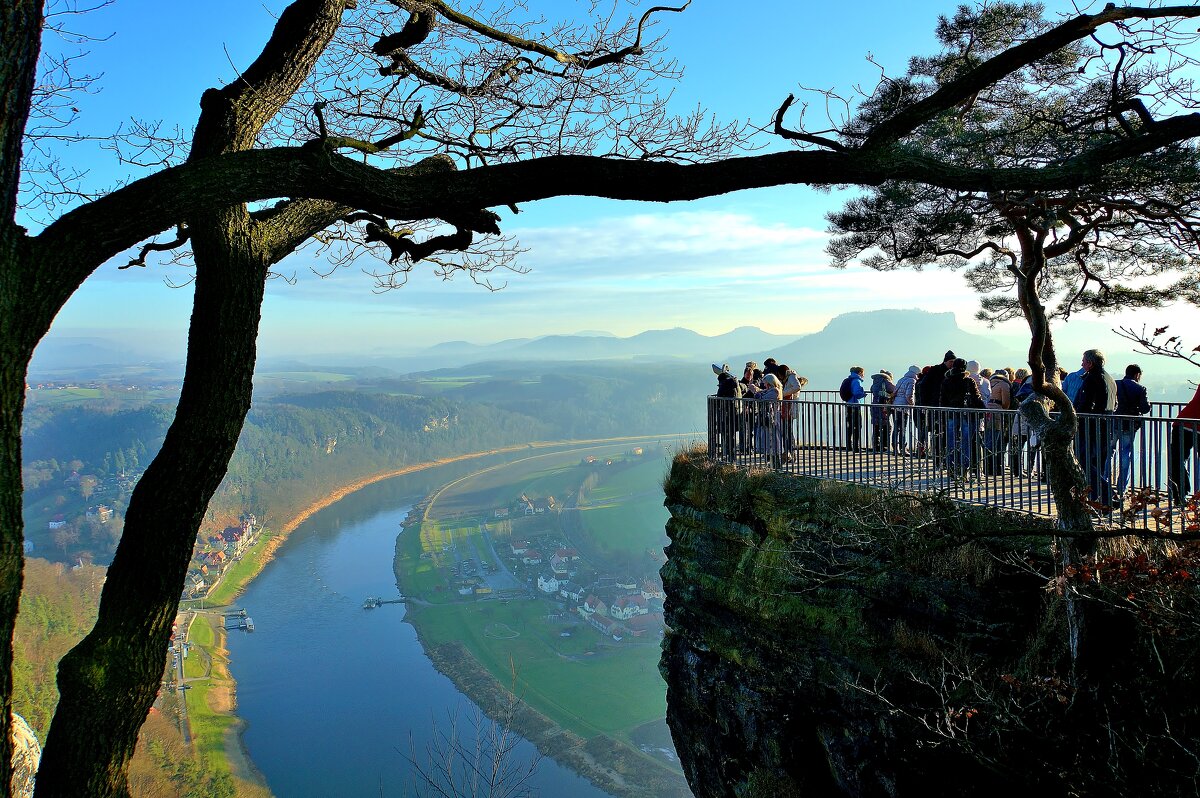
(890,339)
(674,343)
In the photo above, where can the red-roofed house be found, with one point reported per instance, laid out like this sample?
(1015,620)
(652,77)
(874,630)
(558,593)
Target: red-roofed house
(519,546)
(606,626)
(532,557)
(593,606)
(641,624)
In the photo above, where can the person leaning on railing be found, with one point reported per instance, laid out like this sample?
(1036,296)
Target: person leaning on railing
(1183,441)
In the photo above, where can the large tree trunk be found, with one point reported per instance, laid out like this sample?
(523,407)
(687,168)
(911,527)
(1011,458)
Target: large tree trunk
(1063,474)
(14,357)
(20,44)
(109,681)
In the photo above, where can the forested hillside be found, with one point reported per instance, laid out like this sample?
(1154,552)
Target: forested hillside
(83,458)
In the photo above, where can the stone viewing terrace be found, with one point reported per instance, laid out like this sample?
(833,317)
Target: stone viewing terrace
(998,465)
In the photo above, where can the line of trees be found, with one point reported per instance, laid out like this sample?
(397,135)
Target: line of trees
(444,116)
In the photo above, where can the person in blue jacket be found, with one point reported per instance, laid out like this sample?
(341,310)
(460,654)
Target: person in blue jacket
(854,394)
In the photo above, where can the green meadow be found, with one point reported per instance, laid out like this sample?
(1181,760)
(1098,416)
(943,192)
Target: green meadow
(624,514)
(578,682)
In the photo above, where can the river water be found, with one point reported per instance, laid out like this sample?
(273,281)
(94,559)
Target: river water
(336,698)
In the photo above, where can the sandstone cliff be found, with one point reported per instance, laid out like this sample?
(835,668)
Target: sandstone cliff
(828,640)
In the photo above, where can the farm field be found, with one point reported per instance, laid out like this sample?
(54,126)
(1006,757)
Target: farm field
(305,376)
(624,516)
(538,476)
(577,676)
(581,684)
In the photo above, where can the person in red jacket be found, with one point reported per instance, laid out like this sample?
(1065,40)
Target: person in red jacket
(1183,441)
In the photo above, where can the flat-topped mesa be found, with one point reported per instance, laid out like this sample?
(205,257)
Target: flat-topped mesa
(840,640)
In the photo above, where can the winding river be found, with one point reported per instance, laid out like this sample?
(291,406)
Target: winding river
(337,698)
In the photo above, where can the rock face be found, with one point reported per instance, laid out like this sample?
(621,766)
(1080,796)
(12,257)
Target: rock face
(26,755)
(828,640)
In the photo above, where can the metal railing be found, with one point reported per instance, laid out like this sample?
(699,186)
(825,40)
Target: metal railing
(1138,469)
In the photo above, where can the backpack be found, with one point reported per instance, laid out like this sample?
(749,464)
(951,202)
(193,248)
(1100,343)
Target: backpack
(844,391)
(729,388)
(882,396)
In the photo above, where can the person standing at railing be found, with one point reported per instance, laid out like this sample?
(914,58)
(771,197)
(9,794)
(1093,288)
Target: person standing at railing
(985,390)
(929,393)
(793,383)
(1184,433)
(1131,403)
(751,382)
(959,392)
(853,394)
(1097,396)
(1020,390)
(882,391)
(902,409)
(996,433)
(728,412)
(768,432)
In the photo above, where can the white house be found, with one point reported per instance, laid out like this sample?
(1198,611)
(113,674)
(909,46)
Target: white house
(628,606)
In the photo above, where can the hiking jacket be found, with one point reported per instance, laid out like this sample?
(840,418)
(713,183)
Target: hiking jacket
(1001,394)
(960,391)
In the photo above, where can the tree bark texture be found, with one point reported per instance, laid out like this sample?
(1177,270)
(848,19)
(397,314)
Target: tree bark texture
(20,44)
(14,358)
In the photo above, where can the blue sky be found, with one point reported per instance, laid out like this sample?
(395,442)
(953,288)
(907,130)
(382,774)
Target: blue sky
(748,258)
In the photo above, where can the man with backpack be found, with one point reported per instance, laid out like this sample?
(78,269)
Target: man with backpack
(853,394)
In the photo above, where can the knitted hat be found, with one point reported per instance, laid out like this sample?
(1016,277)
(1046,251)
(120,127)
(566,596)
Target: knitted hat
(949,355)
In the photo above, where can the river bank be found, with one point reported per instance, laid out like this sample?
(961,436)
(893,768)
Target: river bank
(608,764)
(236,580)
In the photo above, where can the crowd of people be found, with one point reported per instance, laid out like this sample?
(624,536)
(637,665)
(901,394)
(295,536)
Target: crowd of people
(917,416)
